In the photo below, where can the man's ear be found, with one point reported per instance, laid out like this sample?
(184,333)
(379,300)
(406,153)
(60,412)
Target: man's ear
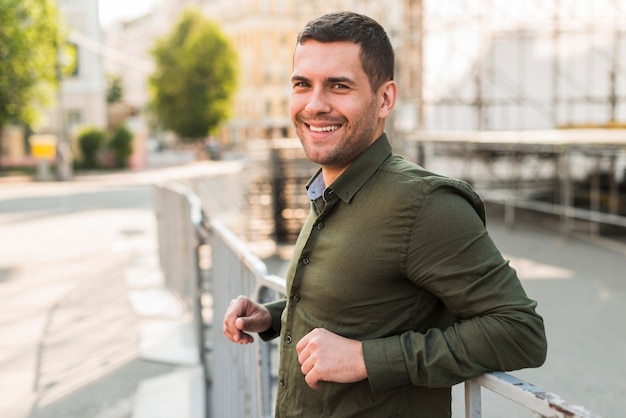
(388,93)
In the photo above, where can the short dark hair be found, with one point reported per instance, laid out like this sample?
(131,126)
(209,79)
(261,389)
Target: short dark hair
(377,56)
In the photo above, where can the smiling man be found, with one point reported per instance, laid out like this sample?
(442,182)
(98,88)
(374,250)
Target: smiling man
(395,291)
(337,112)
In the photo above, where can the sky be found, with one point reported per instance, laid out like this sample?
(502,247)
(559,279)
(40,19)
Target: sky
(114,10)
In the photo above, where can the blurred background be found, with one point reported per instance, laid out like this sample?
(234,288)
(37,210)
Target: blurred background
(461,65)
(101,100)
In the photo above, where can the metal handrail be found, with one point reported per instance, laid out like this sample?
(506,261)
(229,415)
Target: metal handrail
(542,403)
(182,232)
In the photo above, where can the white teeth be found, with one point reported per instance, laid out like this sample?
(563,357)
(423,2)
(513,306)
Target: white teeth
(325,128)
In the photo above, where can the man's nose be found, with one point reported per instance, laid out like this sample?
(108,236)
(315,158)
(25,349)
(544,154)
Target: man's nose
(318,102)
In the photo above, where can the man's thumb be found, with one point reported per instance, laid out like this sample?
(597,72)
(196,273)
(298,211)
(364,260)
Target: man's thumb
(241,323)
(249,323)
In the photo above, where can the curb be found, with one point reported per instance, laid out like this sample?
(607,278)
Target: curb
(167,336)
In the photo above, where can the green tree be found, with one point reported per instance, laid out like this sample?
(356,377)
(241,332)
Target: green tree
(195,77)
(121,146)
(115,91)
(90,142)
(29,41)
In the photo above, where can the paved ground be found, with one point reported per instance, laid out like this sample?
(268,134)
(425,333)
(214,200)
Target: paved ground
(72,259)
(70,341)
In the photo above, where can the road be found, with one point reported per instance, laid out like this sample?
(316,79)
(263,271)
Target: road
(69,339)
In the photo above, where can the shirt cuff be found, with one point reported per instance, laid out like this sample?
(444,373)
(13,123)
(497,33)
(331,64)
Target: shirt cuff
(276,310)
(384,361)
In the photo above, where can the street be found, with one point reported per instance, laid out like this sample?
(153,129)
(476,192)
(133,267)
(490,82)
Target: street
(67,332)
(69,339)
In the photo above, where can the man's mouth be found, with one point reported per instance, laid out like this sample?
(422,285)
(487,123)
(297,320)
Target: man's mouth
(324,128)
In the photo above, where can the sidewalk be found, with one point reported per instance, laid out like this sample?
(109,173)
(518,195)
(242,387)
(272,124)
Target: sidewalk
(87,327)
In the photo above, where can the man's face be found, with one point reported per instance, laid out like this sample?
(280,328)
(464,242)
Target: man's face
(333,108)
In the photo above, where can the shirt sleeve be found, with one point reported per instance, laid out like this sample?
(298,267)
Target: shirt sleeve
(276,310)
(496,327)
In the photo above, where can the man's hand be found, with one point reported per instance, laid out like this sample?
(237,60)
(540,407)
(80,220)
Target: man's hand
(242,316)
(329,357)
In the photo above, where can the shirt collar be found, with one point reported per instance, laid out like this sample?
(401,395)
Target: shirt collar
(356,175)
(316,186)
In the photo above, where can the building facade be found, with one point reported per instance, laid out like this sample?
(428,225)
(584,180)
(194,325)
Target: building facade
(82,94)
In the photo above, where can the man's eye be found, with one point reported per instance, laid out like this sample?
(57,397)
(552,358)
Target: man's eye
(340,86)
(300,84)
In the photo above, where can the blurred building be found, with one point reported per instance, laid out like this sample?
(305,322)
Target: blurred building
(82,93)
(461,64)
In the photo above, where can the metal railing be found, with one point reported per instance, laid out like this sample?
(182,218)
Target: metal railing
(243,379)
(182,234)
(242,374)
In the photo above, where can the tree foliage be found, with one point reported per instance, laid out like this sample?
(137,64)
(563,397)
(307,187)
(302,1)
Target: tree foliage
(115,90)
(195,77)
(121,146)
(29,40)
(91,142)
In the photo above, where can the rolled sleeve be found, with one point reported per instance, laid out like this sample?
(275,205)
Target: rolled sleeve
(384,361)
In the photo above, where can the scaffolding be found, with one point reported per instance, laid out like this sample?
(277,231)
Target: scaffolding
(502,65)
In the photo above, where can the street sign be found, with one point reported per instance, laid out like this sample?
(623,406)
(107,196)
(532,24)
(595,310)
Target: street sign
(43,147)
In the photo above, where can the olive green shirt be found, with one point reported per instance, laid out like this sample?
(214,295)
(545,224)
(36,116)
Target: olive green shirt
(399,258)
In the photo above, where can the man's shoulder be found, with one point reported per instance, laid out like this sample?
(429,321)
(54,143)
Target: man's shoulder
(407,180)
(397,170)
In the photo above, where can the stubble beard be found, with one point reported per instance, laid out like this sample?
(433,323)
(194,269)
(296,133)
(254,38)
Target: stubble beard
(348,147)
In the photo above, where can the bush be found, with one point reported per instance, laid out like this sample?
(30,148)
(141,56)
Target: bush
(121,146)
(90,143)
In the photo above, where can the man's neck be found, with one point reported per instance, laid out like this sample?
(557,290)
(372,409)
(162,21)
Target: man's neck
(331,175)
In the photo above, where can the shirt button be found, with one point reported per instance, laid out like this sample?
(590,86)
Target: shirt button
(296,298)
(320,225)
(281,382)
(289,339)
(305,261)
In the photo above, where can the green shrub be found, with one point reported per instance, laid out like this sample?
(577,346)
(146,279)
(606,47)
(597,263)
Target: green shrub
(90,142)
(121,146)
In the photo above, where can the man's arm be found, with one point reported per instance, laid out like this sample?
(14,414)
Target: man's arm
(452,256)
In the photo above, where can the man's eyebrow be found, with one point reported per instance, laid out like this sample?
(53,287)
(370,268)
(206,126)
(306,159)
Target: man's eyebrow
(331,80)
(299,78)
(341,80)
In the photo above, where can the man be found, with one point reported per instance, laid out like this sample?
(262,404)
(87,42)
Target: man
(395,291)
